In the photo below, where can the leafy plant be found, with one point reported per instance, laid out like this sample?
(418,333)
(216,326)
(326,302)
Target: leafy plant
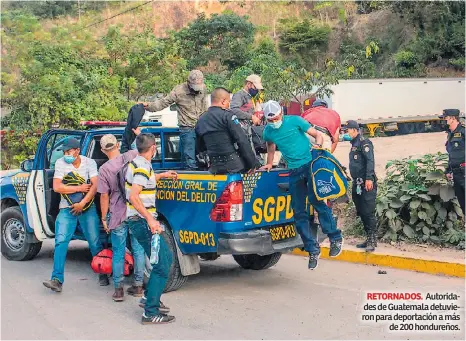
(416,203)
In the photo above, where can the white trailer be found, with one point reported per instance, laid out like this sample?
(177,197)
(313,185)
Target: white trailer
(392,105)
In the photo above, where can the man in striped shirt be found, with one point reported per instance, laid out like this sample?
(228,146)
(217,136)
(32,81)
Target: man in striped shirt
(141,217)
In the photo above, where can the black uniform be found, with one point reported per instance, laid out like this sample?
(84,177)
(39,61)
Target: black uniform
(217,132)
(361,165)
(455,148)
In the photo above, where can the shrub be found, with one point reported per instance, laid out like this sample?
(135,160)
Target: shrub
(416,203)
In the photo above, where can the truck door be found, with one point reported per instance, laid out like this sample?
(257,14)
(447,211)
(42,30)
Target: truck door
(42,202)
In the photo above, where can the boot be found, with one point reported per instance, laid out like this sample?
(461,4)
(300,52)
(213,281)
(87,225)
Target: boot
(371,243)
(135,291)
(118,295)
(363,245)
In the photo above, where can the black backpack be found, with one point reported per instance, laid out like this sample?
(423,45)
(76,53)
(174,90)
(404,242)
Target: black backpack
(260,145)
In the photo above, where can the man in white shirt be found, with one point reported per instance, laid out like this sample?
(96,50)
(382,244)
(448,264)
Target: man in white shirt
(75,179)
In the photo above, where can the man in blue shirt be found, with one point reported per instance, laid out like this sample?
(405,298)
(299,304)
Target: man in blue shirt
(288,133)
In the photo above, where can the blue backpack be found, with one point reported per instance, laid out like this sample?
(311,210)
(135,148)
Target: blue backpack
(329,177)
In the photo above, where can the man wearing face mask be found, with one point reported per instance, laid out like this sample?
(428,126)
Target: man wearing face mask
(456,148)
(191,100)
(243,107)
(289,134)
(217,132)
(76,205)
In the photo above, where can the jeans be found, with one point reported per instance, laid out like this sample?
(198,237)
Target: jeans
(65,227)
(118,237)
(188,147)
(159,274)
(300,187)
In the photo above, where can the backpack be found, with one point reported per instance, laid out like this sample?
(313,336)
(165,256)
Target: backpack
(102,262)
(328,175)
(260,145)
(121,175)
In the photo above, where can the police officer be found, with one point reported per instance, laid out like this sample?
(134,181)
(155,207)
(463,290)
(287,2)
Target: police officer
(455,148)
(217,132)
(364,192)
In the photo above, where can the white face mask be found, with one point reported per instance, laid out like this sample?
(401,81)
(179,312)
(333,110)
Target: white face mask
(276,124)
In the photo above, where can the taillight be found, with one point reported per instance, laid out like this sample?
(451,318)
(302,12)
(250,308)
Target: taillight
(229,207)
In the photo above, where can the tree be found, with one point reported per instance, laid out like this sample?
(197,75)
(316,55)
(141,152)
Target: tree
(303,41)
(226,39)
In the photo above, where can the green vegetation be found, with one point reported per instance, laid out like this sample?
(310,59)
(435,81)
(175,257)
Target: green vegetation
(57,71)
(416,203)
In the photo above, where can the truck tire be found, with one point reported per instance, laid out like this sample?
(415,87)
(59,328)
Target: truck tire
(175,278)
(14,236)
(256,262)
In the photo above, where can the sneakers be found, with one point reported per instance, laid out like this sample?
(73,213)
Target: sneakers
(53,284)
(103,280)
(135,291)
(163,308)
(157,319)
(118,295)
(336,247)
(313,261)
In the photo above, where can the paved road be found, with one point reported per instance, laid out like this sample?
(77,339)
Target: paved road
(223,302)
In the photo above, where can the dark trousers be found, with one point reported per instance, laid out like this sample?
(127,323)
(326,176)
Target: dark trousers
(159,274)
(365,207)
(300,188)
(458,185)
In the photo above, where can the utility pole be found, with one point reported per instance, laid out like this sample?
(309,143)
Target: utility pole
(79,10)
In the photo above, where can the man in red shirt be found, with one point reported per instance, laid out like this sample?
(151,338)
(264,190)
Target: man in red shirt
(321,116)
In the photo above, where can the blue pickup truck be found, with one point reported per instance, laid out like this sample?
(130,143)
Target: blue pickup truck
(246,215)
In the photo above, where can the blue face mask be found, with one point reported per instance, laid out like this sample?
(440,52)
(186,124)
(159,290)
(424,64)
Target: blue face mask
(346,137)
(69,159)
(276,125)
(253,92)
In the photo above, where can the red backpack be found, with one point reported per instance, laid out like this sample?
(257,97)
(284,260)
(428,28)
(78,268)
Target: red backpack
(102,262)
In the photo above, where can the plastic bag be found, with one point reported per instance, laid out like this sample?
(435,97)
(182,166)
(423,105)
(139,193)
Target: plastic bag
(154,248)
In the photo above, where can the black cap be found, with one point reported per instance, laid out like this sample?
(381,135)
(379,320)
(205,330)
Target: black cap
(70,143)
(450,112)
(351,125)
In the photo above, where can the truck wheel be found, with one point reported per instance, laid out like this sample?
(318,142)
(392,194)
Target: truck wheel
(14,236)
(256,262)
(175,278)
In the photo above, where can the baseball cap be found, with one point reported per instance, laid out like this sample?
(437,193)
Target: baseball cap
(319,103)
(271,109)
(70,143)
(108,142)
(196,80)
(450,112)
(256,80)
(351,125)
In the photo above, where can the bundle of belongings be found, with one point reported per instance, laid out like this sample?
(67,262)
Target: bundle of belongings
(329,178)
(74,179)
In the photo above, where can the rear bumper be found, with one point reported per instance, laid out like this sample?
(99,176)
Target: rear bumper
(255,242)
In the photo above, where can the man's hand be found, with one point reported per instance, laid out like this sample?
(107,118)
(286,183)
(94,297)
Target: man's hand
(137,131)
(369,185)
(256,120)
(77,208)
(84,188)
(154,226)
(104,223)
(267,168)
(145,104)
(170,175)
(449,176)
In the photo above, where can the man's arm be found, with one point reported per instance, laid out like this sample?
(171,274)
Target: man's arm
(239,136)
(271,148)
(317,135)
(104,189)
(336,139)
(161,103)
(368,154)
(60,188)
(200,144)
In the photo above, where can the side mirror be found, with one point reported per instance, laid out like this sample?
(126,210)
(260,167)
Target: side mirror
(26,165)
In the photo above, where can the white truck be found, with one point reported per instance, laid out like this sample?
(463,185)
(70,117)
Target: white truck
(397,105)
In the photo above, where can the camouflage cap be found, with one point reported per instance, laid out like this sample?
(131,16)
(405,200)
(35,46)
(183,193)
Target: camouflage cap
(196,80)
(108,142)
